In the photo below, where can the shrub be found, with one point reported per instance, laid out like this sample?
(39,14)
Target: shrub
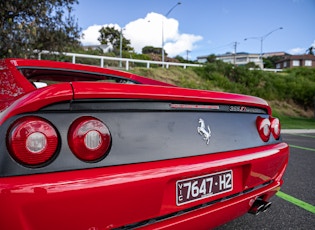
(296,84)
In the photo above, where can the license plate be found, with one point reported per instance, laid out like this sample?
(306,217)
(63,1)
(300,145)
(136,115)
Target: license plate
(192,189)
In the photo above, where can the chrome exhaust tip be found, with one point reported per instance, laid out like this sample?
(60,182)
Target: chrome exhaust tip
(259,206)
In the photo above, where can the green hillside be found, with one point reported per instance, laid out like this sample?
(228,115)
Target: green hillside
(291,93)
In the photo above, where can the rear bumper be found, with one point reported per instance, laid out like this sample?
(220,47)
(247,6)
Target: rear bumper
(140,195)
(217,214)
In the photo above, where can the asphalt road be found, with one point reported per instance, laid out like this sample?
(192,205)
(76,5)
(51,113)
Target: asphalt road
(294,207)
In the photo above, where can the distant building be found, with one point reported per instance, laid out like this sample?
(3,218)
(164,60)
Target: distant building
(240,58)
(290,61)
(285,60)
(202,59)
(103,48)
(236,59)
(275,54)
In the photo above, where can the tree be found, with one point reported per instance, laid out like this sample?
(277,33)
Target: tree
(37,25)
(211,58)
(151,50)
(111,36)
(310,50)
(271,62)
(181,59)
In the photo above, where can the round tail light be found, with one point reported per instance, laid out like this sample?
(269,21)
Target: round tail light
(32,141)
(263,127)
(275,127)
(89,139)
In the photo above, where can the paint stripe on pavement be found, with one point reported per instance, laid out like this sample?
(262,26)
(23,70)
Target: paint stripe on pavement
(304,135)
(297,202)
(300,147)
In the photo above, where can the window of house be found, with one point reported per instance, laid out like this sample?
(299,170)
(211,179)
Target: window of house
(308,62)
(285,64)
(228,60)
(278,66)
(242,59)
(296,63)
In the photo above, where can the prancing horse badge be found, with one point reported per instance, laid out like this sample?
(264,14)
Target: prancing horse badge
(204,131)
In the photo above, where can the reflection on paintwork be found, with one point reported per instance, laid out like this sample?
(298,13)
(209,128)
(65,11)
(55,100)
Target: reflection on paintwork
(128,177)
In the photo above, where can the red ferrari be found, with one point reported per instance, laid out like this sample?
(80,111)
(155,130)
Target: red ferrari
(91,148)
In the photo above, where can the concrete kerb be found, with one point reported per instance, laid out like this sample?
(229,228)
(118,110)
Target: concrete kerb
(297,131)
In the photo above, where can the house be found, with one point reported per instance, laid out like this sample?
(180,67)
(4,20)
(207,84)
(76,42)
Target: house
(289,61)
(103,48)
(241,58)
(285,60)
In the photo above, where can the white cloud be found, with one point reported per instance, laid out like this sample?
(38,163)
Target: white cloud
(295,51)
(148,32)
(182,44)
(91,34)
(298,50)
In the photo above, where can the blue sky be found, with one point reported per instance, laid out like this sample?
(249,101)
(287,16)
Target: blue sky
(203,27)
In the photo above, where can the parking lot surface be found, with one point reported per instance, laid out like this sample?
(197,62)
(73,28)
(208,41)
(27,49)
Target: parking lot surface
(294,206)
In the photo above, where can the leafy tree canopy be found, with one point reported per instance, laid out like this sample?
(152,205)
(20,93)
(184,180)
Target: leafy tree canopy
(37,25)
(310,50)
(211,58)
(151,50)
(111,36)
(270,62)
(296,84)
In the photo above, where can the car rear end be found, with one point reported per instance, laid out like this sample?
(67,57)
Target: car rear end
(86,155)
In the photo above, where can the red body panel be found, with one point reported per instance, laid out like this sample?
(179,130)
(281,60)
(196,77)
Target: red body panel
(40,98)
(88,68)
(105,198)
(156,90)
(95,90)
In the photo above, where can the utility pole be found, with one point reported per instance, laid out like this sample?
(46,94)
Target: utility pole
(187,52)
(120,47)
(177,4)
(235,47)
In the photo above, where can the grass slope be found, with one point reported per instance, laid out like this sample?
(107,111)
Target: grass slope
(291,115)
